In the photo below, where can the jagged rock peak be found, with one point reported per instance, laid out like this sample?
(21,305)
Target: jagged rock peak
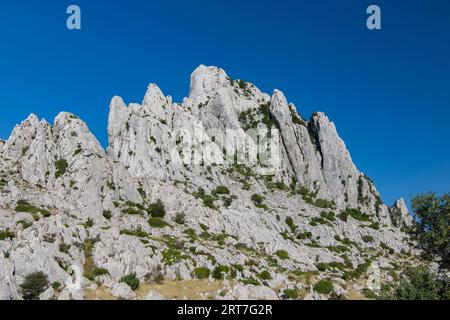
(400,215)
(155,100)
(21,137)
(206,80)
(279,104)
(63,118)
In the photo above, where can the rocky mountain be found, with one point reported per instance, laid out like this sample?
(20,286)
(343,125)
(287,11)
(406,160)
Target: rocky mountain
(180,199)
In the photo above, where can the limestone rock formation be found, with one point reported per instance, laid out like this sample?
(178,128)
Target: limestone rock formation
(82,214)
(400,214)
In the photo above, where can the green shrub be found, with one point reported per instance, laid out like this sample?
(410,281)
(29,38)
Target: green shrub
(172,256)
(132,211)
(6,234)
(265,275)
(131,280)
(157,222)
(208,200)
(258,201)
(202,272)
(361,269)
(157,209)
(282,254)
(34,285)
(367,238)
(25,224)
(420,284)
(107,214)
(343,216)
(89,223)
(328,215)
(250,281)
(431,227)
(304,235)
(61,167)
(180,218)
(324,286)
(96,272)
(357,215)
(64,248)
(290,223)
(191,234)
(219,271)
(318,220)
(322,266)
(338,248)
(369,293)
(322,203)
(24,206)
(222,190)
(3,183)
(375,226)
(290,294)
(56,285)
(136,233)
(238,267)
(77,152)
(227,201)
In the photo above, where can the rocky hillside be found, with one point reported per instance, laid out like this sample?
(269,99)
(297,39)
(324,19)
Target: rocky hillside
(299,221)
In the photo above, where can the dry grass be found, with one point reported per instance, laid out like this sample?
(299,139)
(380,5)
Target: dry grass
(101,293)
(355,295)
(171,290)
(191,289)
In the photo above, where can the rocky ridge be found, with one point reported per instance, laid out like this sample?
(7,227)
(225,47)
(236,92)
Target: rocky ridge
(65,202)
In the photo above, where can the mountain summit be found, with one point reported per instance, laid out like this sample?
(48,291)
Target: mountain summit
(232,184)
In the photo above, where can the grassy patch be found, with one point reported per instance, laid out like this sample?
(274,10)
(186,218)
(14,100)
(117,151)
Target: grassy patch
(7,234)
(324,286)
(202,272)
(137,233)
(24,206)
(282,254)
(157,222)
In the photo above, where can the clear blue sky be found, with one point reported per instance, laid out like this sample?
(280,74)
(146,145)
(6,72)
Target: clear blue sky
(388,91)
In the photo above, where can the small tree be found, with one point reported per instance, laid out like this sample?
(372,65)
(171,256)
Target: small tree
(61,167)
(432,226)
(157,209)
(131,280)
(324,286)
(419,284)
(34,285)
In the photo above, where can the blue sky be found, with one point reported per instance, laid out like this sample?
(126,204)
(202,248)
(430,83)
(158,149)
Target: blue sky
(387,91)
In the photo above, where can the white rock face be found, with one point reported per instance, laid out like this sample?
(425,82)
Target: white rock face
(154,296)
(400,214)
(8,286)
(251,292)
(121,290)
(67,203)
